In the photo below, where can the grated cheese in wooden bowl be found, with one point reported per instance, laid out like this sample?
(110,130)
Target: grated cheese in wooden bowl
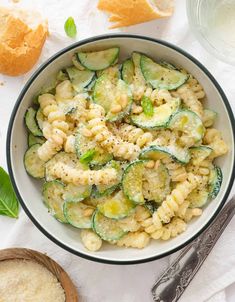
(28,281)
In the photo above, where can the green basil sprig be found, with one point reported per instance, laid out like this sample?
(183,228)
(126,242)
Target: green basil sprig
(9,205)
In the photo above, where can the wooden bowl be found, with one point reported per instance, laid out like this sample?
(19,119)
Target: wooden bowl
(28,254)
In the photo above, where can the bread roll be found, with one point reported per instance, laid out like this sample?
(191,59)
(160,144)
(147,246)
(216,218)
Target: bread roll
(22,35)
(129,12)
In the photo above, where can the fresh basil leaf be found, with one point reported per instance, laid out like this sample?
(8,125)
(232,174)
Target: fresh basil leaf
(147,106)
(87,157)
(9,204)
(70,27)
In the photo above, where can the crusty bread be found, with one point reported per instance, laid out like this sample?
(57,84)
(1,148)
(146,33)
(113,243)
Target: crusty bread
(129,12)
(22,35)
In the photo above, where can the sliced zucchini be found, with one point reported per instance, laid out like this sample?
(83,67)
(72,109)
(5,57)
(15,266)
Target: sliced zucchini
(208,118)
(74,193)
(161,77)
(160,117)
(32,140)
(168,65)
(84,144)
(109,94)
(76,62)
(66,158)
(103,190)
(132,181)
(198,198)
(189,123)
(78,215)
(40,118)
(80,78)
(215,181)
(156,183)
(128,71)
(52,193)
(112,72)
(98,60)
(30,121)
(116,207)
(175,152)
(107,228)
(152,206)
(33,164)
(199,153)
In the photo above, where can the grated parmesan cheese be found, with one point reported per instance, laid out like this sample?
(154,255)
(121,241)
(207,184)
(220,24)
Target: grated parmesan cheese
(28,281)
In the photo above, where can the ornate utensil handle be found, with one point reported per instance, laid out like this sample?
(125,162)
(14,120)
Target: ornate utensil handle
(180,273)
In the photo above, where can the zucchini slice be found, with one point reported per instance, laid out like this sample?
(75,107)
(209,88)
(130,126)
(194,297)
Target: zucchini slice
(208,118)
(132,181)
(80,78)
(40,118)
(98,60)
(198,198)
(78,215)
(84,144)
(189,123)
(160,118)
(161,77)
(31,123)
(107,228)
(178,154)
(128,71)
(74,193)
(32,140)
(156,183)
(52,192)
(199,153)
(34,166)
(76,62)
(109,94)
(66,158)
(103,190)
(215,181)
(116,207)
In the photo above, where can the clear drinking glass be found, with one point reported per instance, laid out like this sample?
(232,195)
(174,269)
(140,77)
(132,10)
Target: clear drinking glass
(213,23)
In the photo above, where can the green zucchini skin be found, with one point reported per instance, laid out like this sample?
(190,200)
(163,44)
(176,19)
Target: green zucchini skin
(215,182)
(132,181)
(31,123)
(98,60)
(188,122)
(34,166)
(74,214)
(128,71)
(156,152)
(108,229)
(52,193)
(161,77)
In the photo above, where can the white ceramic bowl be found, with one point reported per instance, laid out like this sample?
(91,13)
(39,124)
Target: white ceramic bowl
(29,190)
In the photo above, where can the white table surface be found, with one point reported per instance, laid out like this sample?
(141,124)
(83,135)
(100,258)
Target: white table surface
(162,29)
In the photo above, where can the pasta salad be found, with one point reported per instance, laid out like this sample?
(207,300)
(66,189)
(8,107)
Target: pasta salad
(126,150)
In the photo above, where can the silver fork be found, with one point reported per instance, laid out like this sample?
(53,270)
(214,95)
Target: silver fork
(171,285)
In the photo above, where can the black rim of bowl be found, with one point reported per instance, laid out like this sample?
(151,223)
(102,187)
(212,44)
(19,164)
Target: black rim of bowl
(18,102)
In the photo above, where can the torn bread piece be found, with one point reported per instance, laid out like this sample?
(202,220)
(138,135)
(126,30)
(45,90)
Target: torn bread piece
(130,12)
(22,36)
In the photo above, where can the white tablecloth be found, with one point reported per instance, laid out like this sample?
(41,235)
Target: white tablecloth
(100,282)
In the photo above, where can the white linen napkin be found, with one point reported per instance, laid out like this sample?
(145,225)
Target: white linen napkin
(101,282)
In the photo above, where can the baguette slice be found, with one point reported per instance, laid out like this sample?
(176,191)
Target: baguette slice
(130,12)
(22,36)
